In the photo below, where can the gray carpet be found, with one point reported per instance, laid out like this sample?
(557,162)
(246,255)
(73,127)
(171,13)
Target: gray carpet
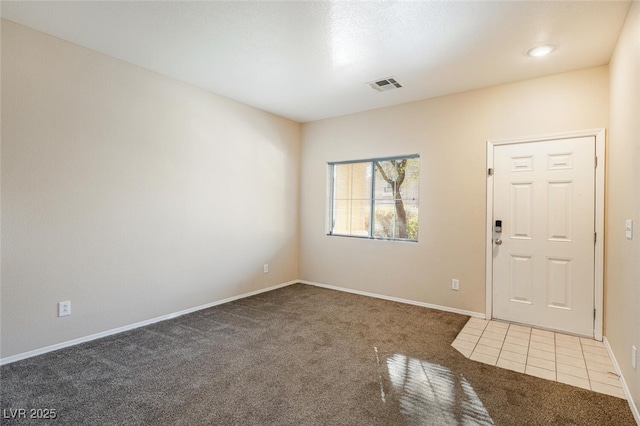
(299,355)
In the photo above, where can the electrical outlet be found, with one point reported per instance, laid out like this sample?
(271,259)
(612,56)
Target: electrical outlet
(455,284)
(266,268)
(64,308)
(634,357)
(628,229)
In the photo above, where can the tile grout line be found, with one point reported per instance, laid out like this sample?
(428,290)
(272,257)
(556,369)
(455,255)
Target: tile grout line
(501,346)
(504,339)
(478,341)
(555,354)
(484,330)
(586,367)
(528,350)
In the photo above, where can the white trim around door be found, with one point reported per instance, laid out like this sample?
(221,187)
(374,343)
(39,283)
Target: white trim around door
(599,135)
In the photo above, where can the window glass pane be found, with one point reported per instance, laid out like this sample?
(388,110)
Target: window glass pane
(396,198)
(384,225)
(388,223)
(351,199)
(341,217)
(411,184)
(352,181)
(386,180)
(360,217)
(412,219)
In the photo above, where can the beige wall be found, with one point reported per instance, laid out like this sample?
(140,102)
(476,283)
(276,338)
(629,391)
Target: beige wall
(450,134)
(131,194)
(622,296)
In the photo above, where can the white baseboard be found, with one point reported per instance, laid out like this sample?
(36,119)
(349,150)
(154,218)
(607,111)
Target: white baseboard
(625,388)
(40,351)
(62,345)
(397,299)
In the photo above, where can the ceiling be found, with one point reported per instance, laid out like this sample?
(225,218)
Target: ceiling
(312,60)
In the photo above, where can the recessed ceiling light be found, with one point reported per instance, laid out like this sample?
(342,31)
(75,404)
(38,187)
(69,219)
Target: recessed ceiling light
(541,50)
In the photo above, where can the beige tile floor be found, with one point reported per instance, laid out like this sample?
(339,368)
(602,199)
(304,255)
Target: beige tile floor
(576,361)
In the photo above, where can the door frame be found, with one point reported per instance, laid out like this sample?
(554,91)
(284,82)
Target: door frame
(599,135)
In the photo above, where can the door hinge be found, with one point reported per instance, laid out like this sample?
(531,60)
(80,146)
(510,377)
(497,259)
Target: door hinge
(490,172)
(596,162)
(595,237)
(594,313)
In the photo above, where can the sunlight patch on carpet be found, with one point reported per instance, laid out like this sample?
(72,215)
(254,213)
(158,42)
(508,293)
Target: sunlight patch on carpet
(433,393)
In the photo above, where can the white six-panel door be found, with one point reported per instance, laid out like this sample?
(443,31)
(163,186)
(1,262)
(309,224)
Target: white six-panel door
(543,260)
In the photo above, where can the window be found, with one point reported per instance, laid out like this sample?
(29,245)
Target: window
(375,198)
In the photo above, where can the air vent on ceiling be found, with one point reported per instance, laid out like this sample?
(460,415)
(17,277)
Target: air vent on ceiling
(385,84)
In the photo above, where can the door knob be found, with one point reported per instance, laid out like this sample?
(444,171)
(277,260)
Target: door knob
(498,242)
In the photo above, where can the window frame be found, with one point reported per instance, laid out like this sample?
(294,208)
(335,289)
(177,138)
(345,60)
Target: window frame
(331,167)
